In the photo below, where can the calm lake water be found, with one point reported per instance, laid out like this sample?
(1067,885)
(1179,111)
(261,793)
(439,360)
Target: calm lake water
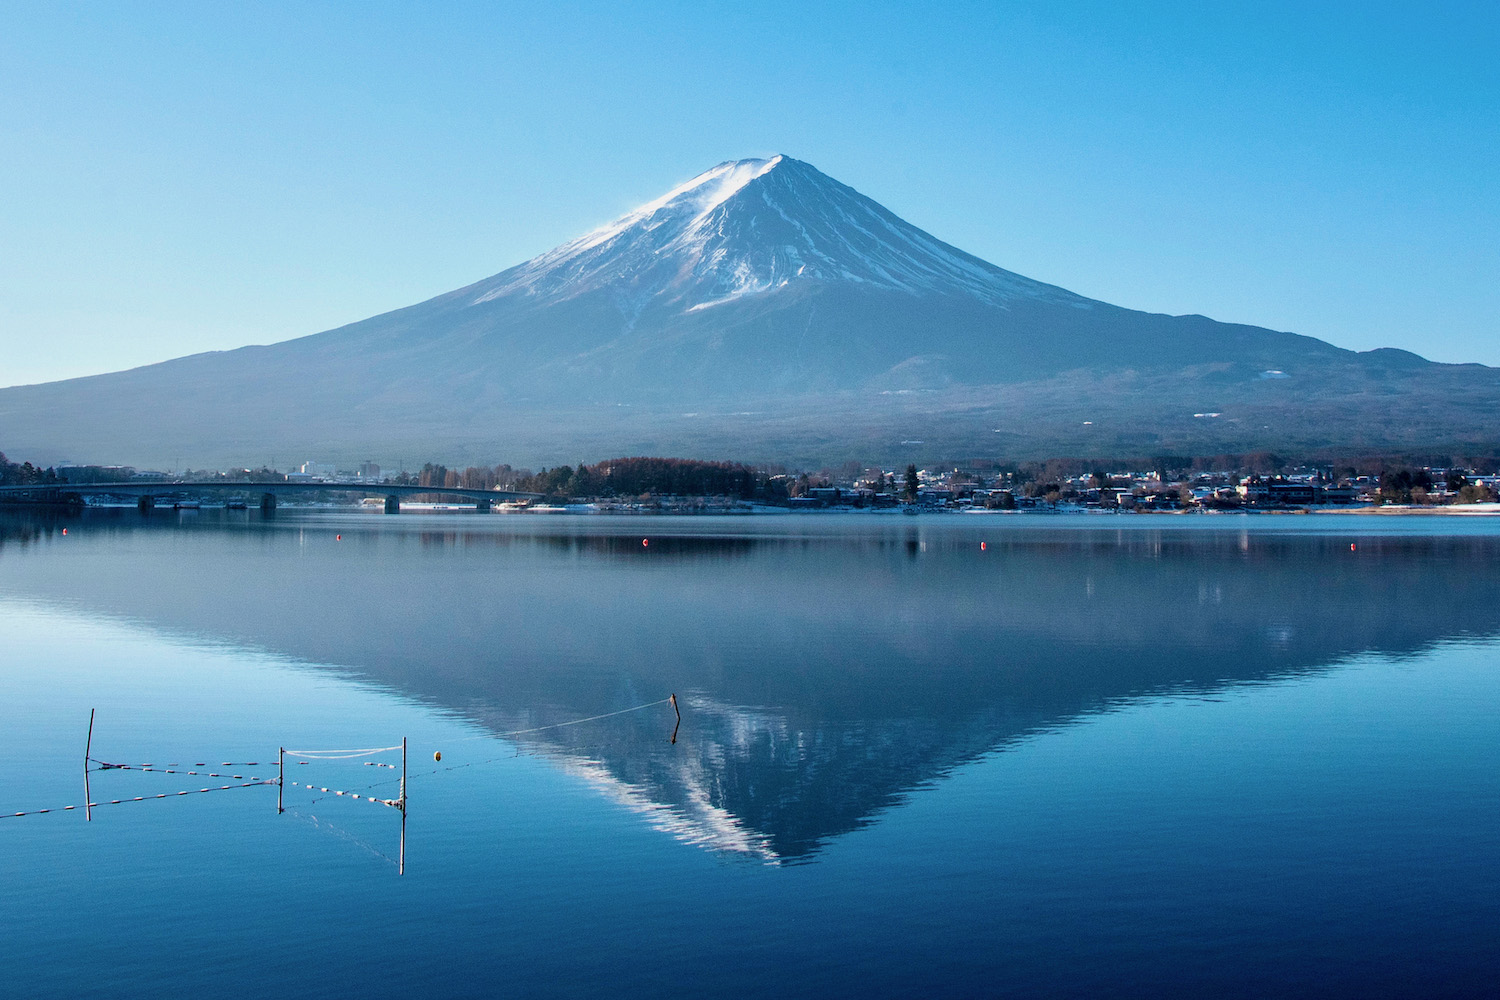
(935,756)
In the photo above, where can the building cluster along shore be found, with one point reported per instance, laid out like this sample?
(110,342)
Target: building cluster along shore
(688,486)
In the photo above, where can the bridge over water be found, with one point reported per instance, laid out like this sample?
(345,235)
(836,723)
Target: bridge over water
(264,494)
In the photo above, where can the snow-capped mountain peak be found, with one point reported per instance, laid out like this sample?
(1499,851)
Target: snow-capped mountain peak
(750,227)
(709,189)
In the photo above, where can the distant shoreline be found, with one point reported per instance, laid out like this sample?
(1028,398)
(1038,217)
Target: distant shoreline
(1401,510)
(749,510)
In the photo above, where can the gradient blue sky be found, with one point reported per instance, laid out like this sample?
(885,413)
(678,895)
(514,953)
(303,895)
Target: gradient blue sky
(188,177)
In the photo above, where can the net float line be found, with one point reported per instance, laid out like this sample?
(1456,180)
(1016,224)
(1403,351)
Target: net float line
(38,812)
(393,803)
(227,763)
(137,798)
(103,766)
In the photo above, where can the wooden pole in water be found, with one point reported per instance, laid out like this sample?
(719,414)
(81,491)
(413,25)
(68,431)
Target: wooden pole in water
(281,776)
(401,866)
(88,749)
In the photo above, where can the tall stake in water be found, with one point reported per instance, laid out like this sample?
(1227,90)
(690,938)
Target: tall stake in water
(88,749)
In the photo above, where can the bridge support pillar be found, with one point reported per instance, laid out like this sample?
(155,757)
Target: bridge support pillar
(393,504)
(145,502)
(267,502)
(485,505)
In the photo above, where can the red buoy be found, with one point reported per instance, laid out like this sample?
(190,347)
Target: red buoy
(645,542)
(981,546)
(338,538)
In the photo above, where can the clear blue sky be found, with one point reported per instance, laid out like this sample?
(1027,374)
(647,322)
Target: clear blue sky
(187,177)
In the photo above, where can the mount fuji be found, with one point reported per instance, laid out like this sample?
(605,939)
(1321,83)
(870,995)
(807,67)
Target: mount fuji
(760,311)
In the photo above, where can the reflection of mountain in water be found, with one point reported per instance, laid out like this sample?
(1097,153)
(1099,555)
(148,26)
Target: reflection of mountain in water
(828,667)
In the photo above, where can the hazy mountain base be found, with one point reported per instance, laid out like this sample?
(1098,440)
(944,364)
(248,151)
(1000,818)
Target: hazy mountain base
(209,415)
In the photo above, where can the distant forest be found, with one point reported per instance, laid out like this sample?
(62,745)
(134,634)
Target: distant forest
(25,474)
(618,477)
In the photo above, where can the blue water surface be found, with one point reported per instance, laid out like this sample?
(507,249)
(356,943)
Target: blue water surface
(1093,756)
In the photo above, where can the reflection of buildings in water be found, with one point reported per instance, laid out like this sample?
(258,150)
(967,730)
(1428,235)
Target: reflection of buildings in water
(826,677)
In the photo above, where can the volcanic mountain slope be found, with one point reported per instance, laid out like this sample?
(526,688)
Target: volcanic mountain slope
(762,310)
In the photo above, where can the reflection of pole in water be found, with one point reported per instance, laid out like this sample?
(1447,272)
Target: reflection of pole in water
(88,749)
(401,864)
(673,700)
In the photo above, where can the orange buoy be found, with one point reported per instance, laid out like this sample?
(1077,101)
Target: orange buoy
(438,755)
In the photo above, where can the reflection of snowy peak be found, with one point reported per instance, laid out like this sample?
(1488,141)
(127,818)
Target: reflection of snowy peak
(747,227)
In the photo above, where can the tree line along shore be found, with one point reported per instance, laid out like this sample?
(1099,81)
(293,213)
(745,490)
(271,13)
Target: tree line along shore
(1156,482)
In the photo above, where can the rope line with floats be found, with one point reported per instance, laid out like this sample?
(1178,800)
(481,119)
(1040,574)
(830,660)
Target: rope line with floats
(438,756)
(669,700)
(92,764)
